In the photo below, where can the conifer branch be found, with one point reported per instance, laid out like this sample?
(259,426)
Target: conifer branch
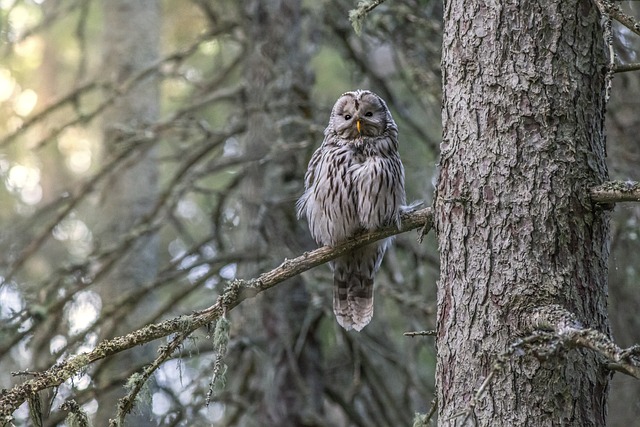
(616,191)
(236,292)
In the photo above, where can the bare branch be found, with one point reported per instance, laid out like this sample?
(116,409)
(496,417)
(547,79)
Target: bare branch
(613,10)
(622,68)
(113,92)
(568,332)
(430,333)
(616,191)
(236,292)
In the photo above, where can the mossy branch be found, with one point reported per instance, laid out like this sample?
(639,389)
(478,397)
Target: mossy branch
(357,15)
(612,9)
(553,331)
(561,330)
(236,292)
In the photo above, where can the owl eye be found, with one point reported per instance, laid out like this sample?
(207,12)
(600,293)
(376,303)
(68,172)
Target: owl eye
(347,116)
(368,114)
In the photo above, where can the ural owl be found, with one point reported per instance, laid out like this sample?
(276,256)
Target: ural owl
(354,182)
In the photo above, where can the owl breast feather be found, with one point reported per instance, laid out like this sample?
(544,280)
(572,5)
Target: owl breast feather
(353,187)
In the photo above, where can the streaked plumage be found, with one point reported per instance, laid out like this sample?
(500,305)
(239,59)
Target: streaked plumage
(354,182)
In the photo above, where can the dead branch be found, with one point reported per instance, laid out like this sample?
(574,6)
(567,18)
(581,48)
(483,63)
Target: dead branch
(357,16)
(616,191)
(429,333)
(565,331)
(113,92)
(555,331)
(236,292)
(614,10)
(623,68)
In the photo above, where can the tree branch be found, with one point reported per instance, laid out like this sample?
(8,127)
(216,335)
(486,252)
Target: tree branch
(616,191)
(356,16)
(236,292)
(560,329)
(614,10)
(430,333)
(623,68)
(554,331)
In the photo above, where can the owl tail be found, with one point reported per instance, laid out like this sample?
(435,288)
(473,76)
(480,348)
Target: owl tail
(352,294)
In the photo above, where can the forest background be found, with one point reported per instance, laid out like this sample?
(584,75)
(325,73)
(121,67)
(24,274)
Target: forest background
(152,152)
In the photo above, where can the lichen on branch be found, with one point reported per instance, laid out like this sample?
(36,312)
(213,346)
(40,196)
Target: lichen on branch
(236,292)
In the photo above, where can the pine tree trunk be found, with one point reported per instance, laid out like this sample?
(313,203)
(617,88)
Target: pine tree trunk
(523,140)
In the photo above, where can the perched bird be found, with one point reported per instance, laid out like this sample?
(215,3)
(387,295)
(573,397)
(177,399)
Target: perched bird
(354,182)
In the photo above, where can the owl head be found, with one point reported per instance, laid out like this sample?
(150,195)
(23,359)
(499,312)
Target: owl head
(359,113)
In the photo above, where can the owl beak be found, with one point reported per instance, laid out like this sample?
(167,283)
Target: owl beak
(359,125)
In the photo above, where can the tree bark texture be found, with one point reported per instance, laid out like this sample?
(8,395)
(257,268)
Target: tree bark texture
(523,140)
(131,44)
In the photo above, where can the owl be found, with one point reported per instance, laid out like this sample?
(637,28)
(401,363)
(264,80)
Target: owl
(354,183)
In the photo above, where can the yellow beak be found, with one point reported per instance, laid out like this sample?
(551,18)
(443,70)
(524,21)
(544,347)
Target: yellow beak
(358,125)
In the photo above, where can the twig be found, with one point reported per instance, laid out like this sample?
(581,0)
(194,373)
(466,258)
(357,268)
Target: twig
(356,16)
(125,405)
(114,92)
(432,410)
(613,10)
(430,333)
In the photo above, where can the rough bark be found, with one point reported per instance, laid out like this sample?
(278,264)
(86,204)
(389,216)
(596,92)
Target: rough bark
(131,44)
(522,143)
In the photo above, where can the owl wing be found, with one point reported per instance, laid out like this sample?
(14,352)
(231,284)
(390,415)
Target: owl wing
(309,182)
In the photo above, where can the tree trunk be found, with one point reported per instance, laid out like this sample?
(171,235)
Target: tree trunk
(278,85)
(131,44)
(523,140)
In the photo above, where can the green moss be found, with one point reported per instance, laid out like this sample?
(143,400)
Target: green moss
(221,335)
(420,420)
(144,395)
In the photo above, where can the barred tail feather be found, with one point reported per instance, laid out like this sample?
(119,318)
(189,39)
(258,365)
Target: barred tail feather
(352,296)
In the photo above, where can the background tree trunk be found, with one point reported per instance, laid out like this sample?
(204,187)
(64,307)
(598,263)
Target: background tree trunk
(131,44)
(278,88)
(523,140)
(623,128)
